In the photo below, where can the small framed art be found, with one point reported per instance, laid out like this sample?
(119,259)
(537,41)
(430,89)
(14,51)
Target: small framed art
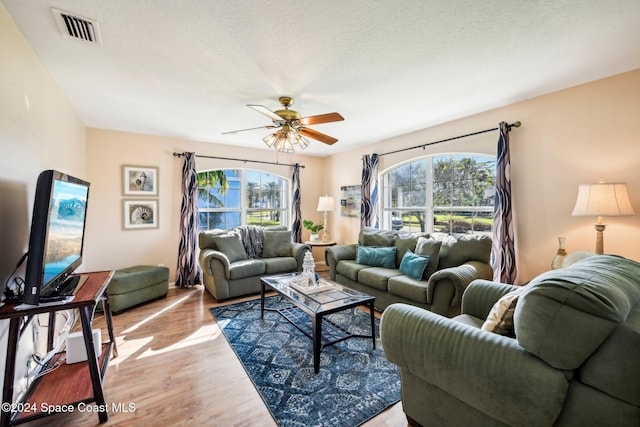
(139,180)
(140,214)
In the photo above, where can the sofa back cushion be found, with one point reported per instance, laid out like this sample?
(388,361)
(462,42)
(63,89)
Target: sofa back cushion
(375,237)
(564,315)
(276,244)
(231,246)
(430,248)
(406,242)
(459,248)
(206,238)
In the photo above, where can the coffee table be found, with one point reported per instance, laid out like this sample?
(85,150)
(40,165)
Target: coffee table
(308,310)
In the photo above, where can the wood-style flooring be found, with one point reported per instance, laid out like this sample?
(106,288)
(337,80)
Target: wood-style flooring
(175,367)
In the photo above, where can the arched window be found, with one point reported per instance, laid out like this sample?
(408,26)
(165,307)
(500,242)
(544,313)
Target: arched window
(450,193)
(228,198)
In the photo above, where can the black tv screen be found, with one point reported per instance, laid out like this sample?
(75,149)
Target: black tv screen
(57,233)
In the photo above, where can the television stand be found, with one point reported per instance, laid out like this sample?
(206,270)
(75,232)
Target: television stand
(68,384)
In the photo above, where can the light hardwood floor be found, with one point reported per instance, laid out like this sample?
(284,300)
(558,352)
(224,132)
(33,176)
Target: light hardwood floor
(176,368)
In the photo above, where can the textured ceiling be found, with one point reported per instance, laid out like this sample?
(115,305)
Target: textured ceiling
(187,69)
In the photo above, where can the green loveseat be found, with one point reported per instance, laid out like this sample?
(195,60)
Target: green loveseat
(573,357)
(454,262)
(231,267)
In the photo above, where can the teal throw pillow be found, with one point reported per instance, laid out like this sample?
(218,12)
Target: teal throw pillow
(376,256)
(413,265)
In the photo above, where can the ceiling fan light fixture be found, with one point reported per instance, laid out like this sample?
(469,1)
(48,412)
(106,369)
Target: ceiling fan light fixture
(285,140)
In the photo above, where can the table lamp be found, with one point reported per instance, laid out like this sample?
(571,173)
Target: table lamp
(602,199)
(325,204)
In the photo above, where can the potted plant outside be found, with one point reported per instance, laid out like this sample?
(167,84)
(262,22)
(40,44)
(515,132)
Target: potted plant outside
(313,228)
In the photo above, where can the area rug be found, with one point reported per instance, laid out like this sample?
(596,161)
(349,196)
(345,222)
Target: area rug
(355,382)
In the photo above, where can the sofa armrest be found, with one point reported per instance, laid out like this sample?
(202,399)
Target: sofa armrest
(297,251)
(208,258)
(481,295)
(333,254)
(459,277)
(486,371)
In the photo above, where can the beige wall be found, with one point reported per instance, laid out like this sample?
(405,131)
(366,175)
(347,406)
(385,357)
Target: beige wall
(567,138)
(38,130)
(109,246)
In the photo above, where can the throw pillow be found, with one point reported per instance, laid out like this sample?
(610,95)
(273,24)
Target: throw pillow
(231,246)
(413,265)
(276,244)
(376,256)
(500,318)
(430,248)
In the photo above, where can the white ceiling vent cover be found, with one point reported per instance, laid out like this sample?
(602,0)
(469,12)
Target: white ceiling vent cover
(77,27)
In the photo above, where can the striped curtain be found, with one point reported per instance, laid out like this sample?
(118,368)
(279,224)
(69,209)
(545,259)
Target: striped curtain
(296,221)
(503,253)
(188,272)
(369,195)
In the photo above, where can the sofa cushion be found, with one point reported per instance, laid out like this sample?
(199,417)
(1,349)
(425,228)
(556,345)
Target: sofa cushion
(406,287)
(377,277)
(231,246)
(276,244)
(376,256)
(458,249)
(413,265)
(280,264)
(406,242)
(206,238)
(564,315)
(375,237)
(246,268)
(350,269)
(430,248)
(500,317)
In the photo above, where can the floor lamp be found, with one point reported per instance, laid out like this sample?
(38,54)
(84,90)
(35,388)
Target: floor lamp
(602,199)
(325,204)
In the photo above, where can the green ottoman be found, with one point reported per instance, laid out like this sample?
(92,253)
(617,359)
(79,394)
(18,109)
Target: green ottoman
(135,285)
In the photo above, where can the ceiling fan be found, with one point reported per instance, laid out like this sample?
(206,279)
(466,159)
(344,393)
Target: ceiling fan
(291,127)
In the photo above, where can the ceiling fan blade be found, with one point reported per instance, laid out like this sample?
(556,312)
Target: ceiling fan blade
(242,130)
(319,136)
(322,118)
(264,110)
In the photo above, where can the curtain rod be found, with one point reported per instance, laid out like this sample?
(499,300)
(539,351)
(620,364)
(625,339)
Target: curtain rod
(514,124)
(239,160)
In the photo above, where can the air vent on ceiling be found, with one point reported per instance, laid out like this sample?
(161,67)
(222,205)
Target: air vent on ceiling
(77,27)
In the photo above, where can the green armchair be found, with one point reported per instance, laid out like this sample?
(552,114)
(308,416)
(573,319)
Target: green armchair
(571,359)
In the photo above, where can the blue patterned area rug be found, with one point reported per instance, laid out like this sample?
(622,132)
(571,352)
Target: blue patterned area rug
(355,382)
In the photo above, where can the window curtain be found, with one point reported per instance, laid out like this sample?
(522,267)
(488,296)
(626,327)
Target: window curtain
(188,272)
(369,191)
(503,254)
(296,221)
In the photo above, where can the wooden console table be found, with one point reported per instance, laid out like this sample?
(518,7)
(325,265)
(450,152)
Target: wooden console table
(68,384)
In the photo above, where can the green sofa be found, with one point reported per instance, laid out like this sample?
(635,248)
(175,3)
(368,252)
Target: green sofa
(572,357)
(230,269)
(454,262)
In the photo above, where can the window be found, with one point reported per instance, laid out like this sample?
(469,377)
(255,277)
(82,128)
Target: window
(444,193)
(228,198)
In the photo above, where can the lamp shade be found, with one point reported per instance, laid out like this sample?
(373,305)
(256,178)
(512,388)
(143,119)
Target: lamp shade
(603,199)
(325,204)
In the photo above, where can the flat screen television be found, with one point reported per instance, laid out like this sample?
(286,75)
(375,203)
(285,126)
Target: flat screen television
(57,236)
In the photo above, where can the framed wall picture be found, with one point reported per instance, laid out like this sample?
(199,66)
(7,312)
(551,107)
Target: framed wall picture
(139,180)
(350,200)
(140,214)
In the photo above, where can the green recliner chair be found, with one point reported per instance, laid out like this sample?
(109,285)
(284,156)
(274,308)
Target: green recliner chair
(572,357)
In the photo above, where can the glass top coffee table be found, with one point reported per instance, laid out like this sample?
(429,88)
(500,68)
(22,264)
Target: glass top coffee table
(309,307)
